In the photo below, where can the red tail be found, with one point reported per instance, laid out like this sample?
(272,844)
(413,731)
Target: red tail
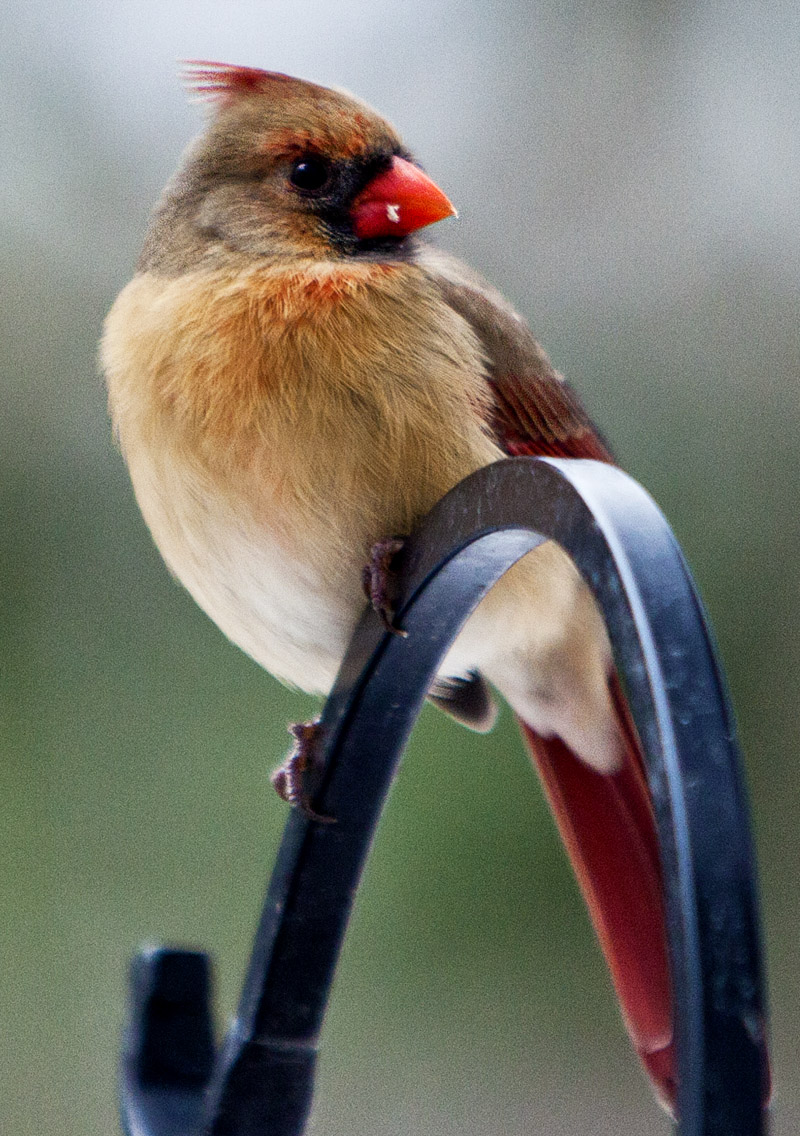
(606,822)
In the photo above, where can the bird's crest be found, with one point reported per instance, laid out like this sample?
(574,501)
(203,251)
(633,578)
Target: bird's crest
(222,82)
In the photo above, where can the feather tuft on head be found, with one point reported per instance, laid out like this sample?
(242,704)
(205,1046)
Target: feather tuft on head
(224,81)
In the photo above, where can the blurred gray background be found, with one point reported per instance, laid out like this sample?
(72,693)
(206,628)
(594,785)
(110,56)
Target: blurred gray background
(628,174)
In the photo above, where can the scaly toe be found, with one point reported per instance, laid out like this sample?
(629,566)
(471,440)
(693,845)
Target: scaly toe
(296,780)
(379,582)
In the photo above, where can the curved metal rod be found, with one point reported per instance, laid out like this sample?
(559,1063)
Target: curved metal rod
(261,1082)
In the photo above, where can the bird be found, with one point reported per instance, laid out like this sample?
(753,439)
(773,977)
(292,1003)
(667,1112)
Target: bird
(295,378)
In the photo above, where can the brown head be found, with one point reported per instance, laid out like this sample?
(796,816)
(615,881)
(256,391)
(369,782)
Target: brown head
(285,170)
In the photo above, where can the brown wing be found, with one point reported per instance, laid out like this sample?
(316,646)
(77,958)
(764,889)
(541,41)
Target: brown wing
(536,413)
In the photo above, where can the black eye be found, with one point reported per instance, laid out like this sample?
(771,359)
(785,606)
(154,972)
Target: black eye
(310,174)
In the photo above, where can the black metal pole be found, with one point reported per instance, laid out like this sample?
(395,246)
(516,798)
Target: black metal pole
(261,1082)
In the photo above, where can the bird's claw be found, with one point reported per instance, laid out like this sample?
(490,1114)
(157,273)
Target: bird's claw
(378,580)
(295,780)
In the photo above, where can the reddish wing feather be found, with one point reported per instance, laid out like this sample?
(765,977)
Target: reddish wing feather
(605,821)
(540,416)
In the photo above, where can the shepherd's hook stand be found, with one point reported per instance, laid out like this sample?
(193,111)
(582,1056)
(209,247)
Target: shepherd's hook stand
(260,1083)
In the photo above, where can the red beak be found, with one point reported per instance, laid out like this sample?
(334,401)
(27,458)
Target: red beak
(398,201)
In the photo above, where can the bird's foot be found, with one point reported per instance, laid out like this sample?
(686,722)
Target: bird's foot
(378,580)
(296,779)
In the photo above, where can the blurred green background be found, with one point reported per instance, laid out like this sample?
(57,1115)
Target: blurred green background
(628,174)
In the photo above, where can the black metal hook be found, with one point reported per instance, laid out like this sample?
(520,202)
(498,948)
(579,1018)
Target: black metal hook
(260,1084)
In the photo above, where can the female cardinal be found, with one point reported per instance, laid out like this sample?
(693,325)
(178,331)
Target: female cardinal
(294,378)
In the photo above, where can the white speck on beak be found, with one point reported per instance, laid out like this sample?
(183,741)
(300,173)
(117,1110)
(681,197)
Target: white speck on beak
(393,213)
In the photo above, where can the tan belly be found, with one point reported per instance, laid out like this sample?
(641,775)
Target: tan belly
(293,614)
